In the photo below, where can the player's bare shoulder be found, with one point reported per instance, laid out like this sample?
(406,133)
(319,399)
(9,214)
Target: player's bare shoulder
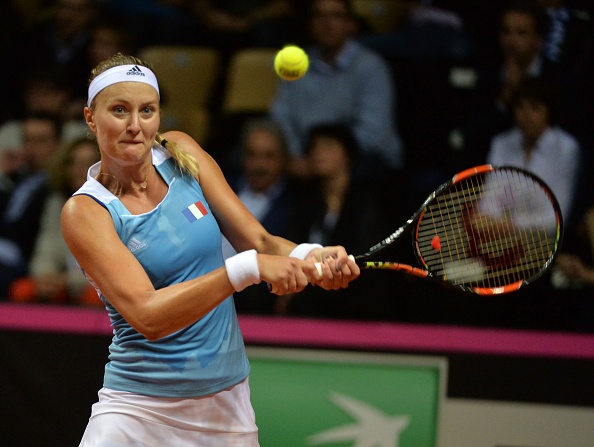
(184,142)
(82,211)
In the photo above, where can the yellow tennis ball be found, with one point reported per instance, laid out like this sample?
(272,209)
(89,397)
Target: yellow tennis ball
(291,63)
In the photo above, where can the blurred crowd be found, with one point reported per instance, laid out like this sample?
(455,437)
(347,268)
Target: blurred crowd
(400,95)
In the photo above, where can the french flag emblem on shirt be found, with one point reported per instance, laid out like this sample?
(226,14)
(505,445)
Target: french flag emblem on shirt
(195,211)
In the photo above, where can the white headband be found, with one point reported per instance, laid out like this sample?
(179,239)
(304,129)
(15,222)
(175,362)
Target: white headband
(122,73)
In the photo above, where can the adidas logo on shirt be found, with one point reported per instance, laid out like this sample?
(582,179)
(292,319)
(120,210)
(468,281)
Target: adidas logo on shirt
(135,71)
(134,245)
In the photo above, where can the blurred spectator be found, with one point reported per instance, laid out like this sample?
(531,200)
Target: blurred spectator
(479,21)
(537,144)
(569,38)
(54,276)
(266,190)
(426,33)
(575,268)
(21,206)
(573,276)
(11,75)
(346,83)
(108,37)
(569,45)
(431,55)
(62,39)
(262,183)
(523,25)
(339,207)
(177,24)
(232,24)
(46,91)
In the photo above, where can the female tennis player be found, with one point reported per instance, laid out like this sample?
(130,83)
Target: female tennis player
(146,230)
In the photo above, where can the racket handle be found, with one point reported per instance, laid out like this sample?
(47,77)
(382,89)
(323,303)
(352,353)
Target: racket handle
(319,265)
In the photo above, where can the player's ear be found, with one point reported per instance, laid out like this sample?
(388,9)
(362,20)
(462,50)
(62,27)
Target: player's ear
(90,119)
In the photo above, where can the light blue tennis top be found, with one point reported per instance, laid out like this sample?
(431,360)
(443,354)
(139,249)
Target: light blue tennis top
(177,241)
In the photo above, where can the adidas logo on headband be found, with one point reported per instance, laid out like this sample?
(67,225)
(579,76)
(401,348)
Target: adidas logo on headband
(135,71)
(121,73)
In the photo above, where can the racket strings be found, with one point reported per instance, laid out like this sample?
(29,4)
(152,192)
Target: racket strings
(492,230)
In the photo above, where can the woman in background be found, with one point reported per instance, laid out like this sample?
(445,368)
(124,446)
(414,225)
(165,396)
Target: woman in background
(54,276)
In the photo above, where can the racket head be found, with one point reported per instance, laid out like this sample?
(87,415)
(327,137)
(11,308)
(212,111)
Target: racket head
(489,230)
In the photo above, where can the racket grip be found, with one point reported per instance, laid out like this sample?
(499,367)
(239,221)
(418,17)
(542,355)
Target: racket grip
(319,265)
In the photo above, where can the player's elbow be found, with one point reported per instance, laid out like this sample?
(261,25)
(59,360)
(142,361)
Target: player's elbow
(149,324)
(153,335)
(152,331)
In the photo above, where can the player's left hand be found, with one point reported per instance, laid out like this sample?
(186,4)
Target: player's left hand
(338,269)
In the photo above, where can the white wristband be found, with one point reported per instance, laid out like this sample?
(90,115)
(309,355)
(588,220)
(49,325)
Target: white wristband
(302,250)
(242,270)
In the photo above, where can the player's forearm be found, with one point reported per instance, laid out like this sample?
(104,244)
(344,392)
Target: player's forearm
(177,306)
(275,245)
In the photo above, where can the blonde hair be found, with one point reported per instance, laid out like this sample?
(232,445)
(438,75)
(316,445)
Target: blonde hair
(184,160)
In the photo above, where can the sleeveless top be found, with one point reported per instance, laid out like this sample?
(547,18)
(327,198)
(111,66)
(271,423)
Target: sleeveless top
(177,241)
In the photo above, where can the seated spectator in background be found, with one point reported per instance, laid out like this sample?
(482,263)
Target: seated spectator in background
(577,266)
(431,55)
(573,275)
(569,38)
(265,189)
(54,276)
(12,33)
(46,91)
(538,145)
(523,26)
(61,38)
(21,205)
(424,33)
(569,45)
(338,206)
(346,83)
(108,37)
(177,24)
(263,185)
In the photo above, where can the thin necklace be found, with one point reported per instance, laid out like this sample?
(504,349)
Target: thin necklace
(141,184)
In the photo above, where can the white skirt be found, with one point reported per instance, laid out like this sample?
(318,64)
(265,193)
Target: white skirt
(122,419)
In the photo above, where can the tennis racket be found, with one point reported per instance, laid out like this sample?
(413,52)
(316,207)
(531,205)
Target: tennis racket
(488,230)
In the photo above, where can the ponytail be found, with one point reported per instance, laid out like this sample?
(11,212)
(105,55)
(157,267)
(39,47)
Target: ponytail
(184,160)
